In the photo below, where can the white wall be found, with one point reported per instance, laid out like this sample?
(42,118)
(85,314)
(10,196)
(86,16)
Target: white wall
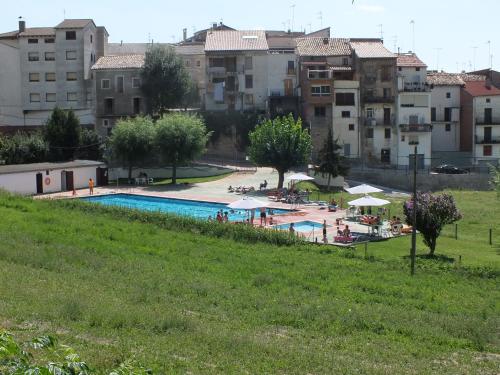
(480,103)
(277,71)
(192,171)
(341,124)
(443,140)
(11,111)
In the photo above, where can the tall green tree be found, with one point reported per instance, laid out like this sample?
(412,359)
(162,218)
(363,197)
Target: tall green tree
(22,148)
(280,143)
(91,146)
(434,211)
(165,81)
(132,141)
(495,179)
(329,161)
(192,96)
(180,138)
(63,135)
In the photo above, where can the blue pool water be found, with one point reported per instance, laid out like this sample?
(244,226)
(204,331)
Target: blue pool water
(302,226)
(197,209)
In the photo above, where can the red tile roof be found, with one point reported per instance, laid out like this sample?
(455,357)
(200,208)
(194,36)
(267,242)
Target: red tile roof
(236,40)
(74,23)
(481,88)
(119,62)
(410,60)
(371,49)
(323,47)
(444,79)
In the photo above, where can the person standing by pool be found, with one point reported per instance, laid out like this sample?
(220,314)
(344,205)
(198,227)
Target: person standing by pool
(325,239)
(291,229)
(91,186)
(226,218)
(252,216)
(263,216)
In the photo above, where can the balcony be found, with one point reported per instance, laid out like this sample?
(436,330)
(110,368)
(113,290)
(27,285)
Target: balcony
(369,121)
(495,120)
(415,128)
(280,93)
(416,87)
(319,74)
(378,99)
(217,71)
(481,140)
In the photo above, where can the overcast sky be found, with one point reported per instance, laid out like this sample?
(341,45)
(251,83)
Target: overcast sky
(451,33)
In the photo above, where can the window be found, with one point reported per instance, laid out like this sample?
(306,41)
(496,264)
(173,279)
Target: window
(402,138)
(345,61)
(71,76)
(50,77)
(119,84)
(105,122)
(70,55)
(346,114)
(369,132)
(248,63)
(387,93)
(34,77)
(49,40)
(351,127)
(108,106)
(448,95)
(433,114)
(487,150)
(216,62)
(105,84)
(400,69)
(248,81)
(320,90)
(344,98)
(198,63)
(417,69)
(413,139)
(249,99)
(387,133)
(447,127)
(319,111)
(50,56)
(33,56)
(386,74)
(71,96)
(91,38)
(34,98)
(70,35)
(50,97)
(488,100)
(137,105)
(290,67)
(136,83)
(187,63)
(370,113)
(447,114)
(32,41)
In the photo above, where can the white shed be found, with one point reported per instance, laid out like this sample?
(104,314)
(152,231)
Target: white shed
(39,178)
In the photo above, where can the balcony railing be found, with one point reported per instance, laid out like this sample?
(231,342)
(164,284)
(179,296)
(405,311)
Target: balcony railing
(369,121)
(319,74)
(488,140)
(378,99)
(217,71)
(415,128)
(416,87)
(495,120)
(282,93)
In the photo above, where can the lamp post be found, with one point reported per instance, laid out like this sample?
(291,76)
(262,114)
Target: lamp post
(413,250)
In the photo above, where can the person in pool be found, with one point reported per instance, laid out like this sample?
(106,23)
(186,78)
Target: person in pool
(325,239)
(263,216)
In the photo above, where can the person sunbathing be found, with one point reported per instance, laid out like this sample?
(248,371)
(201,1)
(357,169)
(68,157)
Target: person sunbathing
(346,232)
(263,185)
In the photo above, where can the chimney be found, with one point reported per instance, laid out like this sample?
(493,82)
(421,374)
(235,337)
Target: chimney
(22,26)
(214,26)
(184,34)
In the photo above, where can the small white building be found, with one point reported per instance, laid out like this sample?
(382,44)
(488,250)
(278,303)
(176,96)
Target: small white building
(39,178)
(414,112)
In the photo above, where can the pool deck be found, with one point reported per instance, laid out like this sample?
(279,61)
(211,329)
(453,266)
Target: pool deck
(216,191)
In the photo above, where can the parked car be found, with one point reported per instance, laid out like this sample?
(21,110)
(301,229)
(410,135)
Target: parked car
(449,169)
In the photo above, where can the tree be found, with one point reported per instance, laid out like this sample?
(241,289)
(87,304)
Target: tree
(433,213)
(63,135)
(164,79)
(91,147)
(329,161)
(132,141)
(192,96)
(22,148)
(180,138)
(280,143)
(495,179)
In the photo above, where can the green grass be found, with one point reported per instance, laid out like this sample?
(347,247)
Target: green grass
(184,302)
(187,180)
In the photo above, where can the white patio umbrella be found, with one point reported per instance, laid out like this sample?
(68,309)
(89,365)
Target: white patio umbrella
(299,177)
(368,201)
(363,189)
(247,203)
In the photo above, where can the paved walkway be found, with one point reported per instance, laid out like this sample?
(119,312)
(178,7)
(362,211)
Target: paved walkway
(217,191)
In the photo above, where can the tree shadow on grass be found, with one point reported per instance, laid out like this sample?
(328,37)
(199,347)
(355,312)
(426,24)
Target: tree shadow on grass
(436,257)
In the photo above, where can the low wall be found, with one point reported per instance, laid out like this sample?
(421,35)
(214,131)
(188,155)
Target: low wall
(166,172)
(425,181)
(337,182)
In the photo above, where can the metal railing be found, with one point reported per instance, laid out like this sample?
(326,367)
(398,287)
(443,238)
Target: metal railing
(319,74)
(494,120)
(378,99)
(487,140)
(410,128)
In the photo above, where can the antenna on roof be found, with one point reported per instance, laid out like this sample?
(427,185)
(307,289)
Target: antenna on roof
(64,14)
(490,57)
(474,49)
(395,41)
(381,31)
(310,27)
(293,15)
(438,51)
(320,17)
(412,23)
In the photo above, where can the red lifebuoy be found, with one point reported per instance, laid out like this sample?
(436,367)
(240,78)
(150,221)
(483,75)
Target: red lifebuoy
(47,180)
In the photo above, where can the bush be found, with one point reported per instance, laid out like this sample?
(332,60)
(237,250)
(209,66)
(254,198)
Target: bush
(22,148)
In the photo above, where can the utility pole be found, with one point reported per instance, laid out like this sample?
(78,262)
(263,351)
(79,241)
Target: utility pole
(437,61)
(293,15)
(474,49)
(381,31)
(413,251)
(412,22)
(320,17)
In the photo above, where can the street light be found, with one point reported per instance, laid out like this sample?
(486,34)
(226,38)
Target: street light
(413,250)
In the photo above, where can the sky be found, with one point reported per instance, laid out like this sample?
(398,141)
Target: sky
(450,35)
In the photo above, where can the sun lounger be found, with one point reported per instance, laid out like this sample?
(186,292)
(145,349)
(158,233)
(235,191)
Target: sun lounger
(342,239)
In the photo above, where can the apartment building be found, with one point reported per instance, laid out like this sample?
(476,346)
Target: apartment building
(118,94)
(445,110)
(375,69)
(480,125)
(413,112)
(48,67)
(237,70)
(323,61)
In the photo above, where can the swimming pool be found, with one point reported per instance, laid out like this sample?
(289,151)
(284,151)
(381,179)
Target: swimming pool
(183,207)
(302,226)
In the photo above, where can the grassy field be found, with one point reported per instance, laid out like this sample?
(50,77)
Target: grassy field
(181,302)
(186,180)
